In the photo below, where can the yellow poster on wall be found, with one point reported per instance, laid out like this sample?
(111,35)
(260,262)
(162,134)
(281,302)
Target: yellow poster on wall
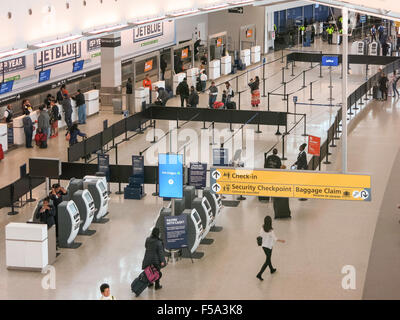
(290,184)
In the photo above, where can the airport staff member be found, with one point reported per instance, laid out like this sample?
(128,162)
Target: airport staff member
(46,213)
(147,84)
(373,33)
(301,162)
(330,30)
(8,114)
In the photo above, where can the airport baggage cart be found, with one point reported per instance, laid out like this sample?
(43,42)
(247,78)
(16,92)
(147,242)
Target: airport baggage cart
(281,208)
(139,284)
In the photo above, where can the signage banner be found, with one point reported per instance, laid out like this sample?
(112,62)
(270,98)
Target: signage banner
(6,87)
(314,145)
(148,66)
(330,61)
(290,184)
(148,31)
(93,44)
(138,165)
(219,42)
(198,175)
(170,173)
(236,10)
(249,33)
(110,42)
(12,65)
(185,53)
(175,232)
(220,157)
(57,55)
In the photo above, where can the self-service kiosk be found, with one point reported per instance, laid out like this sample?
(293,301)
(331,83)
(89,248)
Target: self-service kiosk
(85,203)
(203,208)
(194,229)
(189,193)
(373,48)
(69,222)
(215,202)
(97,186)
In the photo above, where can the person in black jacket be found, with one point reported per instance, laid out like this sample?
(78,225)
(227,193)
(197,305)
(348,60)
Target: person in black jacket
(46,214)
(154,254)
(183,91)
(273,161)
(28,130)
(193,100)
(301,162)
(81,105)
(163,67)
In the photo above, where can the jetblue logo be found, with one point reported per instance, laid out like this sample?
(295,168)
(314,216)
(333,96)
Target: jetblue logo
(148,31)
(329,61)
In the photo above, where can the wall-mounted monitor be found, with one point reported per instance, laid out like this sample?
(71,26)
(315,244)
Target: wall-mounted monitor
(44,75)
(78,66)
(6,87)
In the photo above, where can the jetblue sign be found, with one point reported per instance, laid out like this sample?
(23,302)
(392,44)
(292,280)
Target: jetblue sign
(53,56)
(170,173)
(149,31)
(330,61)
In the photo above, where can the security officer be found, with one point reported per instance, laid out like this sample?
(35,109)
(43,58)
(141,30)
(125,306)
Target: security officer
(302,29)
(340,36)
(329,30)
(8,114)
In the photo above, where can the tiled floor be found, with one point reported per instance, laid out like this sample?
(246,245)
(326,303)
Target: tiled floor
(322,236)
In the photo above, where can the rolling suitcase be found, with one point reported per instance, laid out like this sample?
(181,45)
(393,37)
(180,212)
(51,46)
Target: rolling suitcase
(376,93)
(281,208)
(231,105)
(139,284)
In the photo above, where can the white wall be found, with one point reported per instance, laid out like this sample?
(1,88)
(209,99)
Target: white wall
(231,22)
(185,27)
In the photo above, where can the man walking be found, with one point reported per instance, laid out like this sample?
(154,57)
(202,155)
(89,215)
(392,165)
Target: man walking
(44,121)
(212,96)
(81,105)
(183,91)
(67,109)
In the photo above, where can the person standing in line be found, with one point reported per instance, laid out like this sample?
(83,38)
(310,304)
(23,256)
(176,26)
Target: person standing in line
(183,91)
(193,100)
(73,133)
(229,92)
(383,81)
(67,109)
(203,80)
(373,33)
(26,107)
(147,84)
(8,114)
(129,91)
(28,130)
(163,67)
(212,95)
(268,240)
(105,292)
(301,162)
(56,195)
(44,121)
(255,92)
(61,93)
(54,118)
(154,254)
(81,105)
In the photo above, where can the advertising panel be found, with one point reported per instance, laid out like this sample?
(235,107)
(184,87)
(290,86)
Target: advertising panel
(170,172)
(175,232)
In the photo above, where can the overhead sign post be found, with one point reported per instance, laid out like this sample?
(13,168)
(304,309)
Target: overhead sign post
(290,184)
(330,61)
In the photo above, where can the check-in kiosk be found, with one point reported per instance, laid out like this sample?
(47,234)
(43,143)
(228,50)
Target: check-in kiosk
(215,201)
(97,186)
(359,48)
(73,186)
(203,208)
(189,194)
(69,222)
(216,49)
(85,203)
(373,48)
(195,229)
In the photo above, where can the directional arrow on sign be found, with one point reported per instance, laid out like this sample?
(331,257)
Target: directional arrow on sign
(216,175)
(216,187)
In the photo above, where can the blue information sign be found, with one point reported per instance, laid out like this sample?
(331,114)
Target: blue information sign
(294,99)
(175,232)
(220,157)
(78,66)
(170,173)
(6,87)
(363,18)
(44,75)
(330,61)
(198,175)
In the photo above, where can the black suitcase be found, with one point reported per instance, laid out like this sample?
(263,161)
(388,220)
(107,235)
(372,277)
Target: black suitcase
(231,105)
(281,208)
(139,284)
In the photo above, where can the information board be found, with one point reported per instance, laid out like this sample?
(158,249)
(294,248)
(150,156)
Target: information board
(148,66)
(170,173)
(220,157)
(290,184)
(44,75)
(175,232)
(330,61)
(314,145)
(78,66)
(103,161)
(6,87)
(198,175)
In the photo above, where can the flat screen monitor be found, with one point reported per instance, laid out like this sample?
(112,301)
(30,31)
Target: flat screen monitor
(170,172)
(102,187)
(72,208)
(207,204)
(88,197)
(6,87)
(78,66)
(196,216)
(44,75)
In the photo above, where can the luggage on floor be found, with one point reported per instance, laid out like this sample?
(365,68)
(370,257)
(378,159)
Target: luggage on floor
(152,273)
(231,105)
(281,208)
(376,92)
(218,105)
(139,284)
(198,85)
(1,152)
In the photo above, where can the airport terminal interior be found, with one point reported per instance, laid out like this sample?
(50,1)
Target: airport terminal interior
(180,106)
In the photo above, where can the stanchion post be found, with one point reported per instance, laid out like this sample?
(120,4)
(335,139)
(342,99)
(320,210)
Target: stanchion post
(268,100)
(239,99)
(204,126)
(283,148)
(30,191)
(304,79)
(311,98)
(284,92)
(305,126)
(264,80)
(154,132)
(283,75)
(278,133)
(327,154)
(282,57)
(116,163)
(320,70)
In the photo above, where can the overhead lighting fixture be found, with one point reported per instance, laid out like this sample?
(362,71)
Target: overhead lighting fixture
(54,42)
(215,7)
(182,13)
(107,29)
(11,53)
(148,20)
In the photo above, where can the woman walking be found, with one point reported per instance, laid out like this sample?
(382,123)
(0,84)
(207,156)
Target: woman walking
(154,254)
(255,91)
(268,239)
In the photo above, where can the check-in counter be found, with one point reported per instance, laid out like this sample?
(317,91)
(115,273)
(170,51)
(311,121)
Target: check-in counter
(226,65)
(215,69)
(18,126)
(29,246)
(3,136)
(255,54)
(92,102)
(191,75)
(245,57)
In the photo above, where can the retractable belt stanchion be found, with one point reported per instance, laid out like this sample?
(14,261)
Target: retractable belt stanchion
(264,80)
(154,133)
(305,126)
(304,79)
(283,75)
(284,92)
(283,147)
(116,163)
(12,212)
(268,101)
(311,98)
(292,69)
(30,191)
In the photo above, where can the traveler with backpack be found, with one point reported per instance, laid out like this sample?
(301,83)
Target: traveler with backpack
(54,118)
(44,121)
(28,130)
(267,240)
(162,96)
(193,100)
(183,91)
(154,255)
(72,134)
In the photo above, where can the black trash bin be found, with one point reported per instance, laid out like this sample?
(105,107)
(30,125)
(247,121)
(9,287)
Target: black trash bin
(281,208)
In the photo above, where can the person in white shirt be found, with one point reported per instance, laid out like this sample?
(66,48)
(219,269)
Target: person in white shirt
(203,80)
(105,292)
(268,240)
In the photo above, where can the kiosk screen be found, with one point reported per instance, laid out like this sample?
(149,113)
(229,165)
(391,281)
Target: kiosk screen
(197,217)
(102,187)
(88,197)
(73,209)
(207,204)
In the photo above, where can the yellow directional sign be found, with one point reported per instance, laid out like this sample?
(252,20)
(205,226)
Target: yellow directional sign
(290,184)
